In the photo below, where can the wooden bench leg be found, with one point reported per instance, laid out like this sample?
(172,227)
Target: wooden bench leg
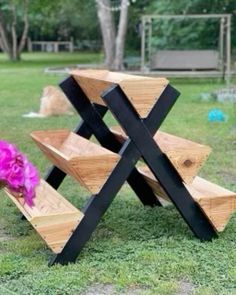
(140,132)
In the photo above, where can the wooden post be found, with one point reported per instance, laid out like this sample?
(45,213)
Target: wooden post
(71,45)
(149,40)
(221,46)
(143,44)
(228,50)
(29,45)
(55,46)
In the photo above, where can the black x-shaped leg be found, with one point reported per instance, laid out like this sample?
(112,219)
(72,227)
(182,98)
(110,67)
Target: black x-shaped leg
(54,175)
(140,133)
(99,203)
(92,124)
(92,118)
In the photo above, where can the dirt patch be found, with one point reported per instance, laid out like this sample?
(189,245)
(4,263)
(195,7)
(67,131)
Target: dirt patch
(185,288)
(228,176)
(100,289)
(3,235)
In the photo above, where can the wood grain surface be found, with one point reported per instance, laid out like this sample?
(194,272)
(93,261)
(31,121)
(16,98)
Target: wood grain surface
(142,92)
(52,216)
(216,202)
(186,156)
(87,162)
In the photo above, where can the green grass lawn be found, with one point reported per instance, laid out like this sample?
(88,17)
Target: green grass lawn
(133,248)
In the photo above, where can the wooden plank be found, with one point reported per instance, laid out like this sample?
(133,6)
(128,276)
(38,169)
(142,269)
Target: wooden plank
(48,202)
(154,184)
(216,202)
(185,155)
(141,91)
(182,73)
(86,161)
(56,230)
(52,216)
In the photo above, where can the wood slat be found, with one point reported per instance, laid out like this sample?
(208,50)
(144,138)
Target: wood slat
(186,156)
(216,202)
(52,216)
(86,161)
(141,91)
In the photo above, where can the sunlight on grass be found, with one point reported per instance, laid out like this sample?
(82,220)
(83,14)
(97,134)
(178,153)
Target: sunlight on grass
(32,60)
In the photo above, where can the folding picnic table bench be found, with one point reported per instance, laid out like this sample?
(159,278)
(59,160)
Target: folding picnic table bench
(140,105)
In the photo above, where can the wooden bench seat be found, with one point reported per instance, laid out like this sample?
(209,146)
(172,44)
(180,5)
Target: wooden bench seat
(52,216)
(185,155)
(86,161)
(216,202)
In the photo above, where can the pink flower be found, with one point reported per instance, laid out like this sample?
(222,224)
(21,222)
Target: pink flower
(31,181)
(8,152)
(17,173)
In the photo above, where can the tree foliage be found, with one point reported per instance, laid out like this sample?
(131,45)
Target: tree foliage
(14,25)
(198,34)
(46,20)
(62,19)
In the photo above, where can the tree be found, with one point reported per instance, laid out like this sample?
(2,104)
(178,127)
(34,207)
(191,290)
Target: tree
(201,34)
(113,41)
(14,26)
(63,19)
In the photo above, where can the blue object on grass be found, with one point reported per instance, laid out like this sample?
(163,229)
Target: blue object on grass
(216,115)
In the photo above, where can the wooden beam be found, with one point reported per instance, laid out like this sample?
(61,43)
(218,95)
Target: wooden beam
(183,16)
(143,44)
(228,50)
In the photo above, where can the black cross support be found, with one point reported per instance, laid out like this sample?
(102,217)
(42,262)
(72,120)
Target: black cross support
(139,132)
(140,143)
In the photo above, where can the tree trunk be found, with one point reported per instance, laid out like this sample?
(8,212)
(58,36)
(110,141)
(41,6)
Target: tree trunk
(26,27)
(108,30)
(13,49)
(4,43)
(120,38)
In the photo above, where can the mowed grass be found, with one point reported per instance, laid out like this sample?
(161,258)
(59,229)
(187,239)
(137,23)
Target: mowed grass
(134,247)
(41,60)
